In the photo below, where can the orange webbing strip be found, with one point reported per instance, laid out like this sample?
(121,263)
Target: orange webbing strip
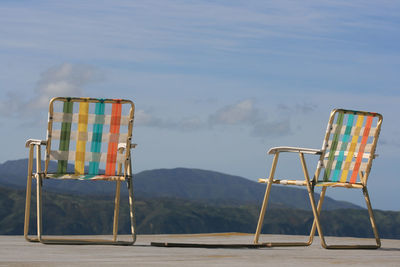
(113,142)
(80,144)
(364,140)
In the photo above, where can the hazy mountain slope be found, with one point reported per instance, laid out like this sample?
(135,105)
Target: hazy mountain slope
(72,214)
(184,183)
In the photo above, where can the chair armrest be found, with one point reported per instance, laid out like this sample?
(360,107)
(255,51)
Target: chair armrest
(279,149)
(35,142)
(123,146)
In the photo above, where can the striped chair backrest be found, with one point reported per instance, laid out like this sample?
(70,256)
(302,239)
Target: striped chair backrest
(86,132)
(349,146)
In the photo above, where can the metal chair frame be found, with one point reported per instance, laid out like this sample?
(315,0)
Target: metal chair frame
(35,147)
(311,183)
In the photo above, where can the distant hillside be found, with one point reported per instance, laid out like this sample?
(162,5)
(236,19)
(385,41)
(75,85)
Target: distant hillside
(72,214)
(195,184)
(181,183)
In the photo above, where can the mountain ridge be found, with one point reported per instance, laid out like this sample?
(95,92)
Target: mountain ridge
(180,201)
(181,183)
(92,215)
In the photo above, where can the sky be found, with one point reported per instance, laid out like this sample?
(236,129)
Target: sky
(215,83)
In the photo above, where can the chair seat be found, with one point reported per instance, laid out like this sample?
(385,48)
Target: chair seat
(283,182)
(340,184)
(90,177)
(321,183)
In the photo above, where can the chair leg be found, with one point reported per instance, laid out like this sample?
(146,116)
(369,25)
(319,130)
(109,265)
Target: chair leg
(39,180)
(310,189)
(266,197)
(262,212)
(132,214)
(371,217)
(28,210)
(29,198)
(72,241)
(39,206)
(116,210)
(372,220)
(319,207)
(262,215)
(315,211)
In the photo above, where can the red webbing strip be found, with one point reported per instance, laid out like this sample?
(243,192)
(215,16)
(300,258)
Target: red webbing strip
(364,140)
(113,144)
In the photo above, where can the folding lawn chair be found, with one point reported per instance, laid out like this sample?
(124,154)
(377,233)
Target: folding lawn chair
(346,158)
(69,141)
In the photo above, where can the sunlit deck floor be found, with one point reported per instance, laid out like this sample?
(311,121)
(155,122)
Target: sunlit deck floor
(15,251)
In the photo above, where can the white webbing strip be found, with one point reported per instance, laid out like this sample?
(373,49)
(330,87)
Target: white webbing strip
(92,118)
(343,130)
(87,136)
(363,165)
(367,149)
(89,156)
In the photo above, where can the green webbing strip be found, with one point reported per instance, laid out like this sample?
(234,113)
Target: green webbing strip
(333,147)
(97,138)
(65,138)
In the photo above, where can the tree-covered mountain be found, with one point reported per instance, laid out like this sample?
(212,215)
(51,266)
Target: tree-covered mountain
(72,214)
(183,183)
(179,200)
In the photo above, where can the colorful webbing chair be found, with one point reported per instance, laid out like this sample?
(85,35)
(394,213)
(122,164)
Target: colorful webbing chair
(345,161)
(93,135)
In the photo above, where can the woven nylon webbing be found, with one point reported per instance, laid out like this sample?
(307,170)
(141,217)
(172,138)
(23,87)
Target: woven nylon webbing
(352,148)
(65,137)
(361,149)
(333,147)
(96,139)
(113,144)
(348,147)
(81,144)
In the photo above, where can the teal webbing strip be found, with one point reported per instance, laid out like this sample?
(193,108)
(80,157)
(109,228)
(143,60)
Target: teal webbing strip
(65,138)
(345,142)
(333,147)
(96,138)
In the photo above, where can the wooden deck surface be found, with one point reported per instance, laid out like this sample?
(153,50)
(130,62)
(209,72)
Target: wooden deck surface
(15,251)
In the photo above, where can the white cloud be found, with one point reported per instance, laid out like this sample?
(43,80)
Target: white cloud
(245,113)
(240,113)
(274,128)
(62,80)
(144,118)
(302,108)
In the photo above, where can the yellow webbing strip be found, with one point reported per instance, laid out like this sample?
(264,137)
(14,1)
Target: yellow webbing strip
(81,144)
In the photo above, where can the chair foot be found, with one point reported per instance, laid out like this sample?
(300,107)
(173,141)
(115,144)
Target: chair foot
(32,239)
(204,245)
(352,246)
(285,244)
(56,241)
